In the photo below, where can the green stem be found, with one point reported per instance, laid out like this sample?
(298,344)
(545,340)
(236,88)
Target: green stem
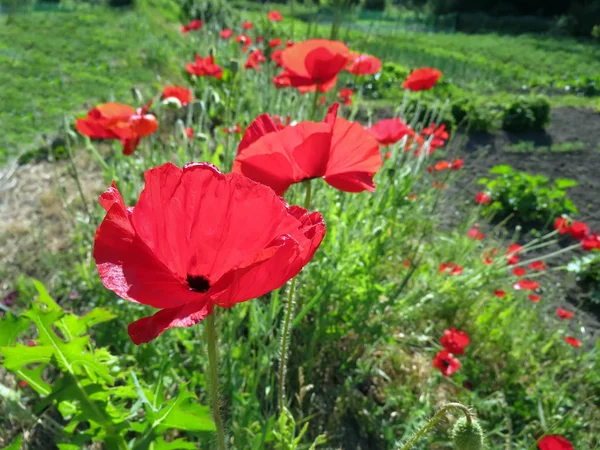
(434,420)
(213,378)
(313,110)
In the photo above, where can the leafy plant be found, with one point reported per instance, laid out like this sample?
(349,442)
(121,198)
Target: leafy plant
(526,113)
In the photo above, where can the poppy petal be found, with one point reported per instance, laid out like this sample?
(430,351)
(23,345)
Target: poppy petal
(263,124)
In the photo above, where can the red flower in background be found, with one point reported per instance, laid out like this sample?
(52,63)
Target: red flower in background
(204,67)
(275,42)
(437,137)
(276,57)
(226,33)
(189,133)
(422,79)
(537,265)
(192,26)
(573,341)
(236,129)
(457,164)
(197,239)
(451,268)
(244,41)
(274,16)
(512,256)
(259,39)
(314,64)
(482,198)
(345,96)
(455,341)
(554,442)
(534,298)
(564,314)
(340,152)
(591,242)
(519,272)
(578,230)
(289,43)
(117,121)
(500,293)
(180,93)
(361,64)
(526,285)
(247,25)
(255,58)
(446,363)
(475,234)
(390,131)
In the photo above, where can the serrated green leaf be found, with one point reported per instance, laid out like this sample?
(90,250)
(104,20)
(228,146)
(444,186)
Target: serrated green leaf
(178,444)
(76,326)
(14,445)
(10,329)
(33,377)
(182,413)
(67,447)
(20,355)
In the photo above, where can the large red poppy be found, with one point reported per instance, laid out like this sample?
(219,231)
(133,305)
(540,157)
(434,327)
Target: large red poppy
(390,131)
(361,64)
(554,442)
(180,93)
(446,363)
(117,121)
(455,341)
(203,67)
(198,239)
(422,79)
(342,153)
(314,64)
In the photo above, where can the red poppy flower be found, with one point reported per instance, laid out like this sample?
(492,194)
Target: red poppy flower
(422,79)
(475,234)
(455,341)
(196,24)
(274,16)
(537,265)
(519,272)
(554,442)
(511,254)
(578,230)
(437,136)
(314,64)
(442,165)
(361,64)
(185,29)
(457,164)
(180,93)
(275,42)
(247,25)
(276,57)
(564,314)
(243,40)
(451,268)
(116,121)
(500,293)
(289,43)
(573,341)
(226,33)
(526,285)
(345,96)
(561,224)
(591,242)
(197,239)
(255,58)
(389,131)
(482,198)
(534,298)
(203,67)
(189,133)
(342,153)
(446,363)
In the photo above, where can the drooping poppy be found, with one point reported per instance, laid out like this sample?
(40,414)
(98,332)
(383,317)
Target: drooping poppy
(446,363)
(554,442)
(422,79)
(564,314)
(561,224)
(537,265)
(247,25)
(482,198)
(534,298)
(226,33)
(591,242)
(274,16)
(255,58)
(345,96)
(526,285)
(519,271)
(362,64)
(197,239)
(204,67)
(276,42)
(455,341)
(573,341)
(117,121)
(180,93)
(343,153)
(314,64)
(390,131)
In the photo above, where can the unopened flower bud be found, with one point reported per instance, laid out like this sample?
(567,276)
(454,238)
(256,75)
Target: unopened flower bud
(467,436)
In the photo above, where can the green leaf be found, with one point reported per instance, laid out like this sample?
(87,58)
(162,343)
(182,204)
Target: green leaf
(178,444)
(11,327)
(570,206)
(67,447)
(564,183)
(501,170)
(19,356)
(14,445)
(33,377)
(76,326)
(182,413)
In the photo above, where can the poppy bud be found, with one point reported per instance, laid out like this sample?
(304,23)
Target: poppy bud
(467,435)
(234,66)
(171,103)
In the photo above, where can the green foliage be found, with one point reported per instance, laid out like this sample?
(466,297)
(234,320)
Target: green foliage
(525,114)
(526,199)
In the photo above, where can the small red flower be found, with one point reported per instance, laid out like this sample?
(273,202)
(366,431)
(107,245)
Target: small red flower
(451,268)
(197,239)
(446,363)
(389,131)
(255,58)
(314,64)
(512,256)
(437,136)
(534,298)
(226,33)
(343,153)
(189,133)
(422,79)
(185,29)
(442,165)
(289,43)
(247,25)
(275,42)
(475,234)
(203,67)
(564,314)
(455,341)
(180,93)
(482,198)
(274,16)
(457,164)
(500,293)
(361,64)
(526,285)
(591,242)
(236,129)
(537,265)
(23,384)
(561,224)
(487,261)
(573,341)
(244,40)
(276,57)
(116,121)
(345,96)
(578,230)
(519,271)
(554,442)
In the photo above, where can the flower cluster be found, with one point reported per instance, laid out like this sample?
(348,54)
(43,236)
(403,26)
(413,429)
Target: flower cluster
(454,343)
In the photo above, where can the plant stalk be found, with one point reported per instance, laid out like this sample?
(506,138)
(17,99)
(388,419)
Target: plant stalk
(213,378)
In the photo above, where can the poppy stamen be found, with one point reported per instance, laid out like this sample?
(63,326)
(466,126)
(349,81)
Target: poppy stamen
(198,283)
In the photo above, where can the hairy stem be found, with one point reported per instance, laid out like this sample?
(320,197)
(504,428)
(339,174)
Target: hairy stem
(213,378)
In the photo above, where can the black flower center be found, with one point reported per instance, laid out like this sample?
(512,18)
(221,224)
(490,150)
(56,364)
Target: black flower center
(198,283)
(445,363)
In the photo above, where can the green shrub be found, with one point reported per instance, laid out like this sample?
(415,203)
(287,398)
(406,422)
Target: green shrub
(526,113)
(119,3)
(531,200)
